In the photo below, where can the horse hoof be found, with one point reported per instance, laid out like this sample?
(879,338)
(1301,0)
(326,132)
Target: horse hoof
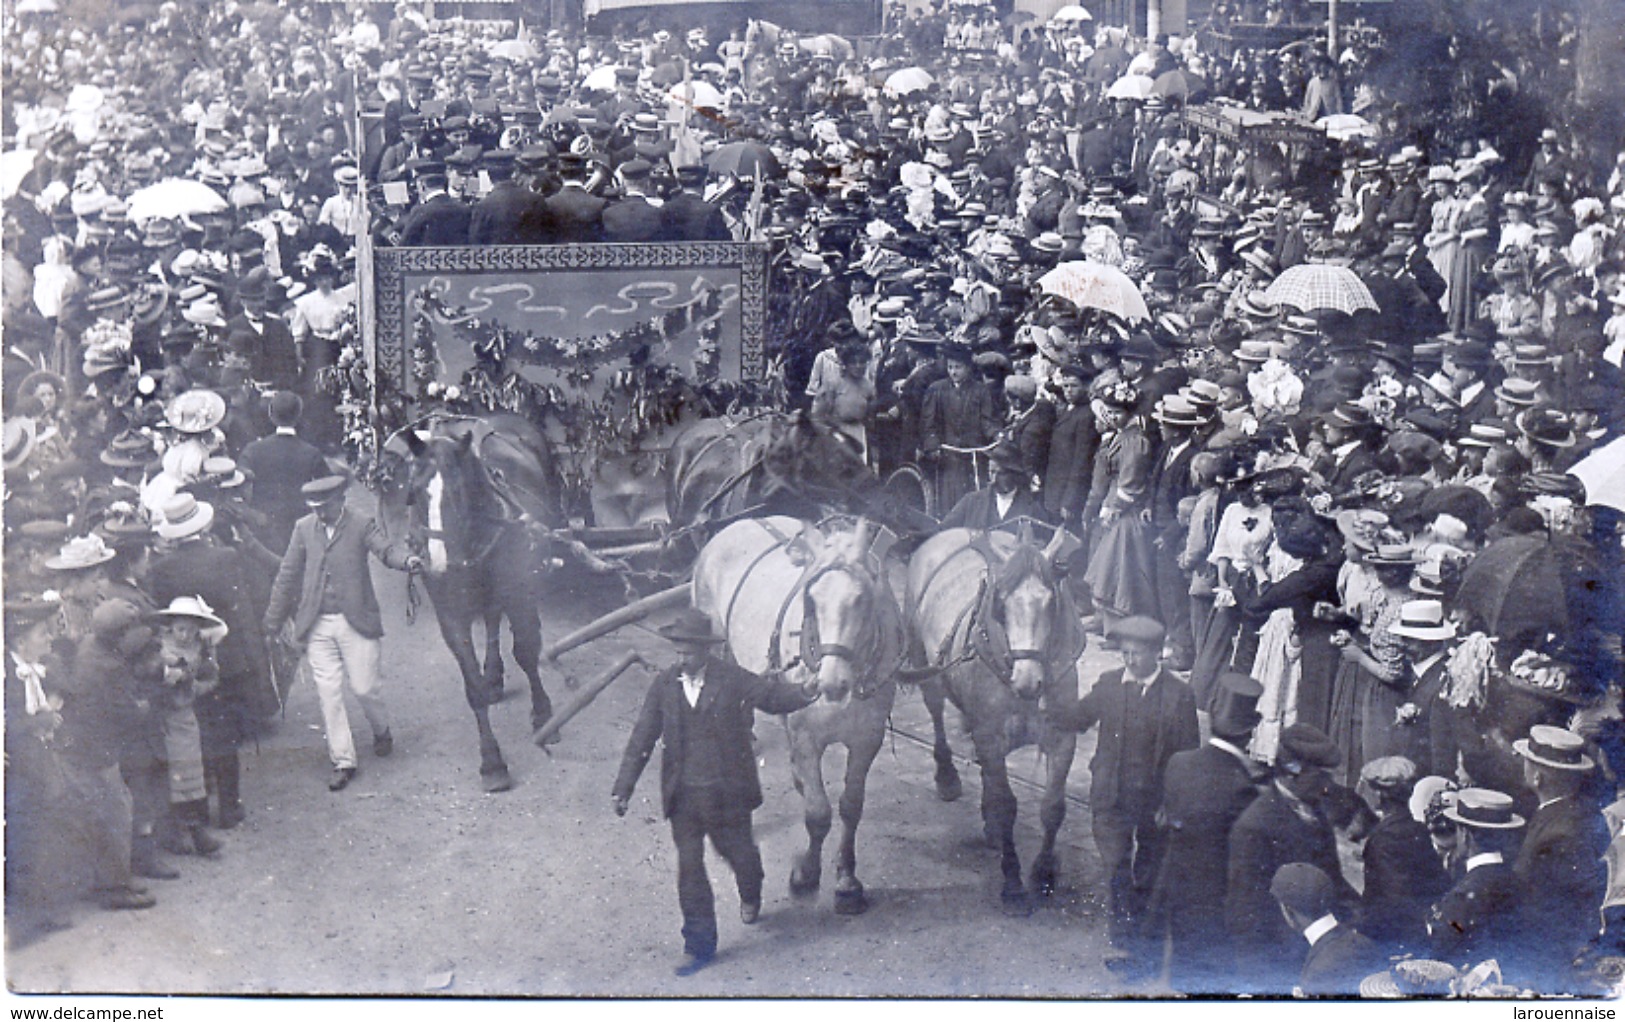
(1043,884)
(1016,904)
(552,739)
(802,885)
(948,787)
(851,903)
(496,780)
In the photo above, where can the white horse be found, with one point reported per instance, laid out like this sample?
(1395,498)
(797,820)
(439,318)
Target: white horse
(812,602)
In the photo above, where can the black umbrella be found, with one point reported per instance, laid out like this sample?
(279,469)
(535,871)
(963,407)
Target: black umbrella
(1515,586)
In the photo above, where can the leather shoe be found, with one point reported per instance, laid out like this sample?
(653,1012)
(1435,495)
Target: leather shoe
(204,842)
(124,898)
(693,963)
(341,778)
(383,744)
(749,911)
(231,815)
(151,867)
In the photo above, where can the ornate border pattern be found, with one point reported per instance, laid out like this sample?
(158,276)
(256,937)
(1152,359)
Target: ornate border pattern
(392,265)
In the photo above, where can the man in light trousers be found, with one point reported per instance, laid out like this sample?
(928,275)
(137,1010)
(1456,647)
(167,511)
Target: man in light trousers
(325,584)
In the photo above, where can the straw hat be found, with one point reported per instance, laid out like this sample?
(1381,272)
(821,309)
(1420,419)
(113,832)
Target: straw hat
(83,552)
(184,516)
(1555,747)
(193,608)
(196,411)
(1483,809)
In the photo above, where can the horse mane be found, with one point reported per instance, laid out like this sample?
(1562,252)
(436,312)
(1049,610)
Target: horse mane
(1024,561)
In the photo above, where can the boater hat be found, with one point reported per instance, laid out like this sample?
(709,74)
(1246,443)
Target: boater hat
(1423,619)
(1483,809)
(1554,747)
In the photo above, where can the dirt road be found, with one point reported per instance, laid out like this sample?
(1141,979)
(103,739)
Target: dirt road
(413,881)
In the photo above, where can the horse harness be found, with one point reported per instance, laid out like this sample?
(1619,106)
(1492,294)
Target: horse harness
(813,650)
(978,626)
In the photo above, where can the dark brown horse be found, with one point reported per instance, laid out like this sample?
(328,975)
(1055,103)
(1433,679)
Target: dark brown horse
(722,469)
(475,497)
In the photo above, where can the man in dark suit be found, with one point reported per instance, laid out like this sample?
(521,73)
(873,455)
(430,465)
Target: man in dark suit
(510,214)
(1339,956)
(325,587)
(1146,715)
(700,710)
(576,214)
(687,216)
(1073,442)
(282,463)
(634,216)
(1284,824)
(1008,498)
(1560,863)
(1179,421)
(1403,875)
(437,219)
(1204,792)
(1029,423)
(261,340)
(1479,917)
(1347,430)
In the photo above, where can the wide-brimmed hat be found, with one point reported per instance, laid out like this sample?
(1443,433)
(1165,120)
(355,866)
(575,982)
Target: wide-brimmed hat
(1555,747)
(1362,527)
(194,608)
(1483,809)
(184,516)
(21,433)
(196,411)
(1548,427)
(1414,977)
(129,449)
(81,552)
(1348,415)
(690,626)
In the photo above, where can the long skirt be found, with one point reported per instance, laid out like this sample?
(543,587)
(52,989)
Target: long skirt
(1381,735)
(1122,571)
(1320,660)
(1278,667)
(1464,292)
(1348,717)
(183,748)
(1214,647)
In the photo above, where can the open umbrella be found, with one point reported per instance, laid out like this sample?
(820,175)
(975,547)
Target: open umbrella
(1321,287)
(1171,84)
(1602,472)
(1071,14)
(1515,586)
(743,159)
(600,79)
(514,49)
(909,80)
(174,198)
(696,95)
(1131,87)
(1092,285)
(1342,127)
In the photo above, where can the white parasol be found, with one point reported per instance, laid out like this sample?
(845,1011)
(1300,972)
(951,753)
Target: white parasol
(173,199)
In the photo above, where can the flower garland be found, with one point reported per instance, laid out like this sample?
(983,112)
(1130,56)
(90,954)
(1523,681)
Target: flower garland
(637,400)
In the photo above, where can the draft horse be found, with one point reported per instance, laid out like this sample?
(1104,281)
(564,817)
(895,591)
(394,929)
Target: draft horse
(1000,638)
(812,602)
(473,496)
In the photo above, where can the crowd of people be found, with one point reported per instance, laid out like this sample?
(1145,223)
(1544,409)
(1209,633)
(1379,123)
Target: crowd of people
(1292,495)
